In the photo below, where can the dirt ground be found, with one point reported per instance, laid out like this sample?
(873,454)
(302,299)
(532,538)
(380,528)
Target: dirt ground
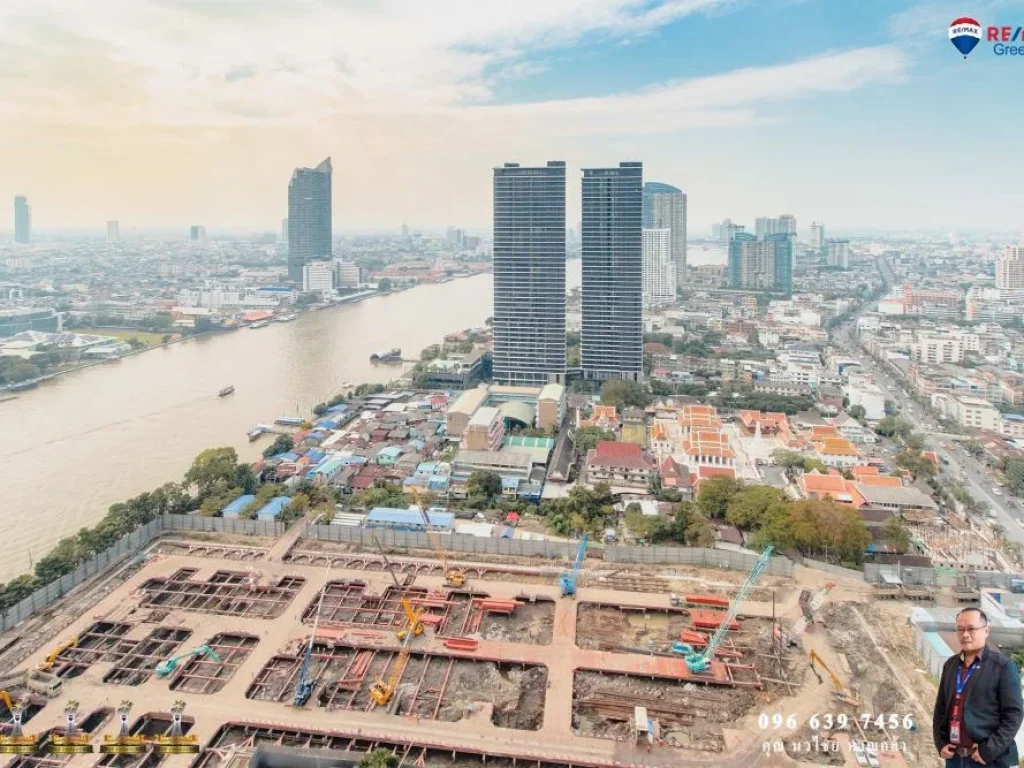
(532,623)
(879,692)
(517,695)
(694,718)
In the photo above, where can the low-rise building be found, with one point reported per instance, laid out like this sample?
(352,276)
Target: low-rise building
(968,412)
(485,430)
(623,466)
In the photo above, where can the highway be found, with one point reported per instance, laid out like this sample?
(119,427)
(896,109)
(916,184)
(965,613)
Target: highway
(962,466)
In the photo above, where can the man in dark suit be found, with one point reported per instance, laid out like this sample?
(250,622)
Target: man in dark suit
(979,708)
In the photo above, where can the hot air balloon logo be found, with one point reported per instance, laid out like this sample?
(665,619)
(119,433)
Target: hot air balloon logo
(965,33)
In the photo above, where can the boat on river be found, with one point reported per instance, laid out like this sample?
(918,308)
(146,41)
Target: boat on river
(230,388)
(259,324)
(393,355)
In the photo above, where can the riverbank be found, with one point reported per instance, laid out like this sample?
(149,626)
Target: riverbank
(114,431)
(125,333)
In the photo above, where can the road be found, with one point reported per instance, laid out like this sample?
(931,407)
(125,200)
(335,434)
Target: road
(962,466)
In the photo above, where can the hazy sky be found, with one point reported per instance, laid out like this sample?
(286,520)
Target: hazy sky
(173,112)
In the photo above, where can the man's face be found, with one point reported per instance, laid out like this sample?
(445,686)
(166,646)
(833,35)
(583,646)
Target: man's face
(972,631)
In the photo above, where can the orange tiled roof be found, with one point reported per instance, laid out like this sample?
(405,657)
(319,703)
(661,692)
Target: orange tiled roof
(862,471)
(823,432)
(694,416)
(881,481)
(837,446)
(657,432)
(815,482)
(708,442)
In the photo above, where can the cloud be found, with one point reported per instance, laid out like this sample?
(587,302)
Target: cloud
(244,72)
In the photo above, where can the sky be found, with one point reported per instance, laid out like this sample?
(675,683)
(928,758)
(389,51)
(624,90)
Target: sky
(165,113)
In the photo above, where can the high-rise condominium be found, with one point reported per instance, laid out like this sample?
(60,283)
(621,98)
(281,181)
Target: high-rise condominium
(837,253)
(309,218)
(768,225)
(611,344)
(665,208)
(659,268)
(113,231)
(817,238)
(22,220)
(725,231)
(1010,268)
(761,264)
(197,233)
(529,273)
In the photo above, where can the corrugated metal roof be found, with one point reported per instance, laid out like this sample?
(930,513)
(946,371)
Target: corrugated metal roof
(274,507)
(236,506)
(411,517)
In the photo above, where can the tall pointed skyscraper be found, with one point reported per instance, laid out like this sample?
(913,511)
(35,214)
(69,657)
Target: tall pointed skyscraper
(309,218)
(529,274)
(665,208)
(611,345)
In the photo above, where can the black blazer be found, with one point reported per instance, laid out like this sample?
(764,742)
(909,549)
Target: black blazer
(993,710)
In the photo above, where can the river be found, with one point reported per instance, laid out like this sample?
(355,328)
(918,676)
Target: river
(76,445)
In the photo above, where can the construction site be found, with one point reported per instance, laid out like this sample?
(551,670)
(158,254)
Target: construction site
(298,647)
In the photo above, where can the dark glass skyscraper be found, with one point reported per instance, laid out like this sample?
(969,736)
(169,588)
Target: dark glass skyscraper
(22,220)
(665,208)
(529,274)
(611,345)
(309,218)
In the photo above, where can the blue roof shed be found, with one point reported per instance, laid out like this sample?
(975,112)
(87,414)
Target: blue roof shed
(234,509)
(407,519)
(273,508)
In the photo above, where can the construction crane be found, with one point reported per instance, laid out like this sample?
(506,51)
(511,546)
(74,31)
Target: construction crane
(453,577)
(414,624)
(842,693)
(568,579)
(304,684)
(52,657)
(382,690)
(166,667)
(698,662)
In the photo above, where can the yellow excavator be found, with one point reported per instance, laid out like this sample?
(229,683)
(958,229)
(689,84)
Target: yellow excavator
(52,657)
(453,577)
(414,625)
(841,693)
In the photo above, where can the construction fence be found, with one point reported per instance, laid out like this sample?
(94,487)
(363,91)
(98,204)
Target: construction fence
(558,550)
(696,556)
(835,570)
(222,525)
(454,542)
(130,545)
(875,573)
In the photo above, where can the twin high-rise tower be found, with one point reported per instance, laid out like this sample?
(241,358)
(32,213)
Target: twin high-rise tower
(22,220)
(529,273)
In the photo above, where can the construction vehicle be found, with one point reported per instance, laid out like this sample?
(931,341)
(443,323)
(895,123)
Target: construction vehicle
(453,577)
(166,667)
(382,690)
(5,697)
(698,662)
(304,684)
(52,657)
(841,693)
(569,578)
(414,624)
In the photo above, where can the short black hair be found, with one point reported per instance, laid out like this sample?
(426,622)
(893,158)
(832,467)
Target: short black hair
(975,610)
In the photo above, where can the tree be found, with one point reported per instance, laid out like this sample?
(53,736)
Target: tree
(748,507)
(915,463)
(891,426)
(624,394)
(212,468)
(700,533)
(384,284)
(483,483)
(857,412)
(788,459)
(379,758)
(914,442)
(281,444)
(897,534)
(643,526)
(588,437)
(203,325)
(715,495)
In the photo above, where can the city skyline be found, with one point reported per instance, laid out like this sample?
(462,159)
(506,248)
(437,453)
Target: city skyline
(416,102)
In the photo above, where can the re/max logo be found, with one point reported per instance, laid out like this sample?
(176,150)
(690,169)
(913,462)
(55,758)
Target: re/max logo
(1002,34)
